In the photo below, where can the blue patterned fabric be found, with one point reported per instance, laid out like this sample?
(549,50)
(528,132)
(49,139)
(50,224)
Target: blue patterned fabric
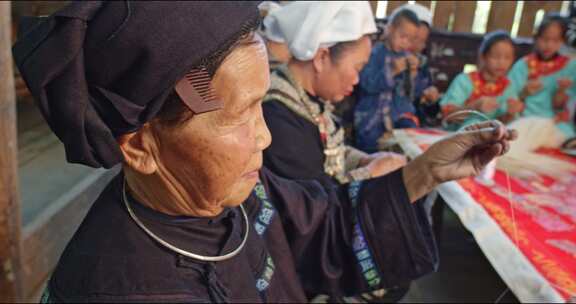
(380,96)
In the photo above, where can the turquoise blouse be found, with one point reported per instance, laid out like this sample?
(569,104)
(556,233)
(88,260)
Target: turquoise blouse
(540,104)
(468,87)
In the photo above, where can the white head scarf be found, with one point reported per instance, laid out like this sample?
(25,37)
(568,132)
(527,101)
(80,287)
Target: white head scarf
(422,12)
(308,25)
(268,6)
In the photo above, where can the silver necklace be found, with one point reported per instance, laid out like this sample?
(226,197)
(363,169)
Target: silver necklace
(181,251)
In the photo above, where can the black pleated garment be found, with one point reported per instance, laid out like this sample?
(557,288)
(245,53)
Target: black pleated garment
(339,247)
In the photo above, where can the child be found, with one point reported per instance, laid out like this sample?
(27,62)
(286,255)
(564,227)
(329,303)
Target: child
(544,78)
(487,90)
(425,93)
(385,91)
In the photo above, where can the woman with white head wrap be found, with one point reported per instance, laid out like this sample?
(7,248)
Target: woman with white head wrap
(330,45)
(278,52)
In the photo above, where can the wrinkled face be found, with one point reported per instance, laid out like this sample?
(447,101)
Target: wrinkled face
(213,158)
(550,42)
(499,59)
(419,42)
(402,35)
(336,77)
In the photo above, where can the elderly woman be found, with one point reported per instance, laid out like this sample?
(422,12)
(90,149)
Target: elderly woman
(172,91)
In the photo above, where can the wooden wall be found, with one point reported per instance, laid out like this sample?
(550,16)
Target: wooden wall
(458,16)
(10,223)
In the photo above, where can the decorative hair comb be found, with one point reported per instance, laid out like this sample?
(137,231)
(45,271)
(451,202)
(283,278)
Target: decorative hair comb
(197,93)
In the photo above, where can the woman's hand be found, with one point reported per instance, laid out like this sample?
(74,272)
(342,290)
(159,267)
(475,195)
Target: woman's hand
(532,87)
(486,104)
(431,94)
(382,163)
(515,106)
(413,62)
(399,65)
(461,155)
(564,83)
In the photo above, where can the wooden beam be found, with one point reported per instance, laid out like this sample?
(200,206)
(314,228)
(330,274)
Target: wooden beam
(374,6)
(10,217)
(464,16)
(528,17)
(529,11)
(392,5)
(427,4)
(501,16)
(442,13)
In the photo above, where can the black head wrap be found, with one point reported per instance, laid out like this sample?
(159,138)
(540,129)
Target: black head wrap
(102,69)
(491,39)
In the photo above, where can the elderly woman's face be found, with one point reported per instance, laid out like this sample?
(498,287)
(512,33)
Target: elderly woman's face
(213,159)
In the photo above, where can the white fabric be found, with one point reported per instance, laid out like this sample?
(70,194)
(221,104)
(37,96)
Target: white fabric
(422,12)
(268,6)
(523,279)
(533,133)
(305,26)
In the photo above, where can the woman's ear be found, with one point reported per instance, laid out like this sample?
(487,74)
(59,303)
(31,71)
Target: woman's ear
(137,148)
(321,59)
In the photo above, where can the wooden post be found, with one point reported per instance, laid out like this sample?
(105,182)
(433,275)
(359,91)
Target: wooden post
(10,267)
(529,14)
(427,4)
(374,6)
(464,16)
(392,5)
(501,16)
(442,13)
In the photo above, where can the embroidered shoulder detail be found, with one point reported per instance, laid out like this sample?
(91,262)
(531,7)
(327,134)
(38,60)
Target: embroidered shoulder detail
(538,68)
(283,89)
(483,88)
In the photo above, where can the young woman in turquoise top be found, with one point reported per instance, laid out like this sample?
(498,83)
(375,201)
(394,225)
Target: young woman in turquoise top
(487,90)
(544,78)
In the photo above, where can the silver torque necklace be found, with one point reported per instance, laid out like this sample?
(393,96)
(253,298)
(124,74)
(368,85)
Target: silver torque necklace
(181,251)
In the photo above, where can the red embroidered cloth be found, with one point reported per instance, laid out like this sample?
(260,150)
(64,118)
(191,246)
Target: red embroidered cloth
(544,212)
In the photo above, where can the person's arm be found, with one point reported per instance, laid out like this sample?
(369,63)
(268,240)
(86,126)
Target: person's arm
(345,247)
(461,155)
(511,106)
(458,92)
(374,234)
(518,76)
(370,121)
(354,158)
